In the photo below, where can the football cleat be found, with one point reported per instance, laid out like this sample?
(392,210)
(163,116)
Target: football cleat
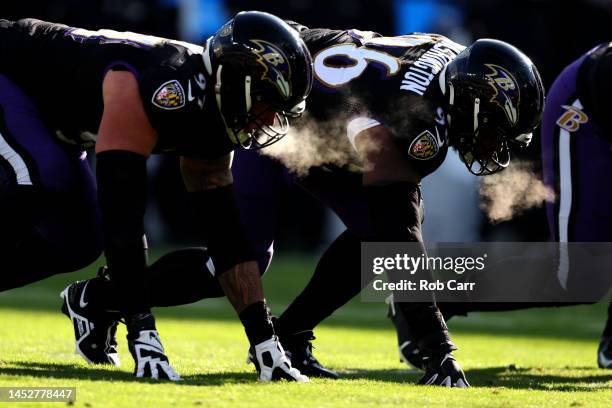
(94,330)
(272,363)
(411,355)
(443,370)
(604,353)
(150,360)
(408,350)
(298,348)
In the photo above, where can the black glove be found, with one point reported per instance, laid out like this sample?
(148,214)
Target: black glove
(443,369)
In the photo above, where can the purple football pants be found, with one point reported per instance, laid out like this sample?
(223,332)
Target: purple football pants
(51,222)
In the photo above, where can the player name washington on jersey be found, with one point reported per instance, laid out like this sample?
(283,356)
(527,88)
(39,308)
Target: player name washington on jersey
(419,75)
(366,80)
(62,68)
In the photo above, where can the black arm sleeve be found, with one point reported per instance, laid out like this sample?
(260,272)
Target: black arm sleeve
(222,227)
(595,87)
(396,214)
(122,180)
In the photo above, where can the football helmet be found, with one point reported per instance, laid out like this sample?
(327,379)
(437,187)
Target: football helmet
(263,73)
(495,99)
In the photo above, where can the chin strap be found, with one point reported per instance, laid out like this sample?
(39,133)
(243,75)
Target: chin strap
(476,112)
(230,132)
(247,93)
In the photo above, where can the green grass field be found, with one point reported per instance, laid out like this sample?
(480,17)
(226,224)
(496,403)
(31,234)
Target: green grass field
(542,358)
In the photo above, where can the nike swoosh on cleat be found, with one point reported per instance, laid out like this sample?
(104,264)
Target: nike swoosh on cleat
(432,379)
(82,302)
(604,361)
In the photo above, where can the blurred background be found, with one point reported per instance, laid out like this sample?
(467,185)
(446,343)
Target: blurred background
(552,32)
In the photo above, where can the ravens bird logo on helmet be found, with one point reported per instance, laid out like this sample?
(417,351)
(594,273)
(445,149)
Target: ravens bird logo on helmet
(276,66)
(506,92)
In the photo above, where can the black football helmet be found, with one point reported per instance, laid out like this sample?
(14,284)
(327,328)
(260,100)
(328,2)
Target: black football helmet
(495,99)
(258,59)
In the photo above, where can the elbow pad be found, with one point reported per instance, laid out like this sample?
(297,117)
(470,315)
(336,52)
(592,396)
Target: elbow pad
(222,227)
(122,180)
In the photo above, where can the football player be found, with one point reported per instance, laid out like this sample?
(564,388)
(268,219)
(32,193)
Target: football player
(576,145)
(402,102)
(59,86)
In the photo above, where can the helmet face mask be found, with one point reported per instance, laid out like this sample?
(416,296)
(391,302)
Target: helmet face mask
(483,158)
(480,140)
(263,127)
(495,100)
(258,60)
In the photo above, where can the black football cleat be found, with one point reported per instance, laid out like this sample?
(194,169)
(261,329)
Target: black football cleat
(298,347)
(604,353)
(94,330)
(408,351)
(411,355)
(443,370)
